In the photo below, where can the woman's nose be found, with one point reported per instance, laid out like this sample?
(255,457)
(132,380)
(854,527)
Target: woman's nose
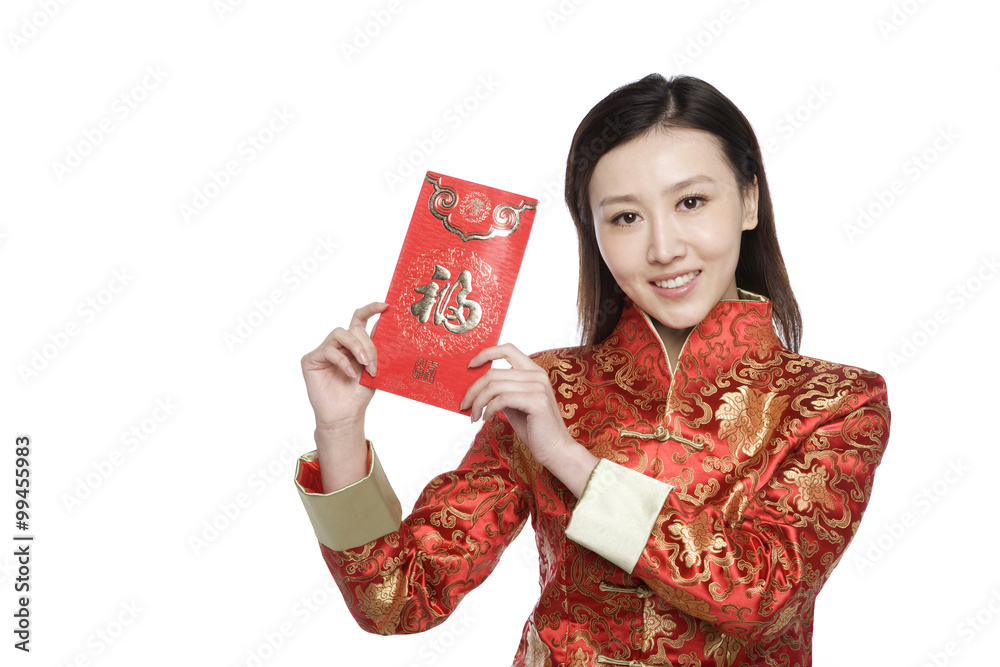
(665,242)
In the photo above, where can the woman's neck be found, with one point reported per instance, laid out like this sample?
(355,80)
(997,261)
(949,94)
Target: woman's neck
(673,341)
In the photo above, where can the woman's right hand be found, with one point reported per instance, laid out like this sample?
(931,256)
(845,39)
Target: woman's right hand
(332,370)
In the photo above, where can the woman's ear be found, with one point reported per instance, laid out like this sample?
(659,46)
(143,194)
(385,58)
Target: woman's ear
(750,206)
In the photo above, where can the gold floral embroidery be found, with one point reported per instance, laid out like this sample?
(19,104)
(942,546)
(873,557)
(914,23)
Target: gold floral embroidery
(812,488)
(682,600)
(788,615)
(761,338)
(383,602)
(654,625)
(735,505)
(786,438)
(578,659)
(537,653)
(550,359)
(523,464)
(747,417)
(698,539)
(832,404)
(606,447)
(722,647)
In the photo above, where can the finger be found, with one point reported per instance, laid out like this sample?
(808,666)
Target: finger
(501,374)
(363,348)
(328,355)
(367,353)
(514,356)
(498,388)
(506,351)
(369,357)
(525,402)
(361,315)
(353,341)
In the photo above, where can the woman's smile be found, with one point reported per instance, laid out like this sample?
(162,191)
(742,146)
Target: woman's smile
(676,283)
(669,217)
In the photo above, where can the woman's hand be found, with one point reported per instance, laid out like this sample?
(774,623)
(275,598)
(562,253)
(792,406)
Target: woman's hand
(525,395)
(332,370)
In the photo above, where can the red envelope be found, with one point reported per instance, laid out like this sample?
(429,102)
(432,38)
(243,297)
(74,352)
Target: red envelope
(450,290)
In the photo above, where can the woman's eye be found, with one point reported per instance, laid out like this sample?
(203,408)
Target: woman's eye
(626,218)
(691,203)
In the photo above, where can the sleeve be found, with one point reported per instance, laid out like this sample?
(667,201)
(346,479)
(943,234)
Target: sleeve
(401,577)
(754,563)
(353,515)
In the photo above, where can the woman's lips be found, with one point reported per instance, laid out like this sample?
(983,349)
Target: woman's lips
(679,281)
(678,286)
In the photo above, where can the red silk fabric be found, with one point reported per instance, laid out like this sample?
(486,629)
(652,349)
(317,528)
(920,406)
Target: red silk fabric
(772,465)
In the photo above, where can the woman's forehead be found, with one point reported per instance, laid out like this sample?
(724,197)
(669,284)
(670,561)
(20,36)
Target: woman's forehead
(660,158)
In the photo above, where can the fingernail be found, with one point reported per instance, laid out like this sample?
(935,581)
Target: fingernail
(352,372)
(362,358)
(371,368)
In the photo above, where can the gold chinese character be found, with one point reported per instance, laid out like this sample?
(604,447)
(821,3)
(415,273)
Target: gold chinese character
(454,317)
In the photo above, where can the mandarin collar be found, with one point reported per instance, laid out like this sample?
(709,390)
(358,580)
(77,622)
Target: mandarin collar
(732,329)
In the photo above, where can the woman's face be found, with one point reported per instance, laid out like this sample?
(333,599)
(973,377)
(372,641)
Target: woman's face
(668,215)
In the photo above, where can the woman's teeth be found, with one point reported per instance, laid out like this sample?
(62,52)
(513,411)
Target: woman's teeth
(678,281)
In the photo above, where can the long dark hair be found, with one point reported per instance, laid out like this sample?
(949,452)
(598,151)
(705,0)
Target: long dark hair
(678,102)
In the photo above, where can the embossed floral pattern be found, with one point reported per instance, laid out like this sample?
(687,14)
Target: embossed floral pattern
(741,546)
(654,625)
(723,648)
(747,417)
(698,539)
(383,600)
(812,488)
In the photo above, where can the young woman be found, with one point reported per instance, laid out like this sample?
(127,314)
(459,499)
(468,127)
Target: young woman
(691,479)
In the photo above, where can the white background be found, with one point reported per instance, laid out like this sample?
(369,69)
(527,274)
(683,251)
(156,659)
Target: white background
(848,99)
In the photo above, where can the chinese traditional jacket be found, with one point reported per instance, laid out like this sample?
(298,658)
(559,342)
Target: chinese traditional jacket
(727,490)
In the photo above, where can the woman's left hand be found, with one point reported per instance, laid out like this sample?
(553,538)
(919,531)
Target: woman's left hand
(525,395)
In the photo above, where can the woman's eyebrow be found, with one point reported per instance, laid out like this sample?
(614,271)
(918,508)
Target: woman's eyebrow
(680,185)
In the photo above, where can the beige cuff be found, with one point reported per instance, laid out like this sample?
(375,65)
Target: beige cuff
(616,512)
(356,514)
